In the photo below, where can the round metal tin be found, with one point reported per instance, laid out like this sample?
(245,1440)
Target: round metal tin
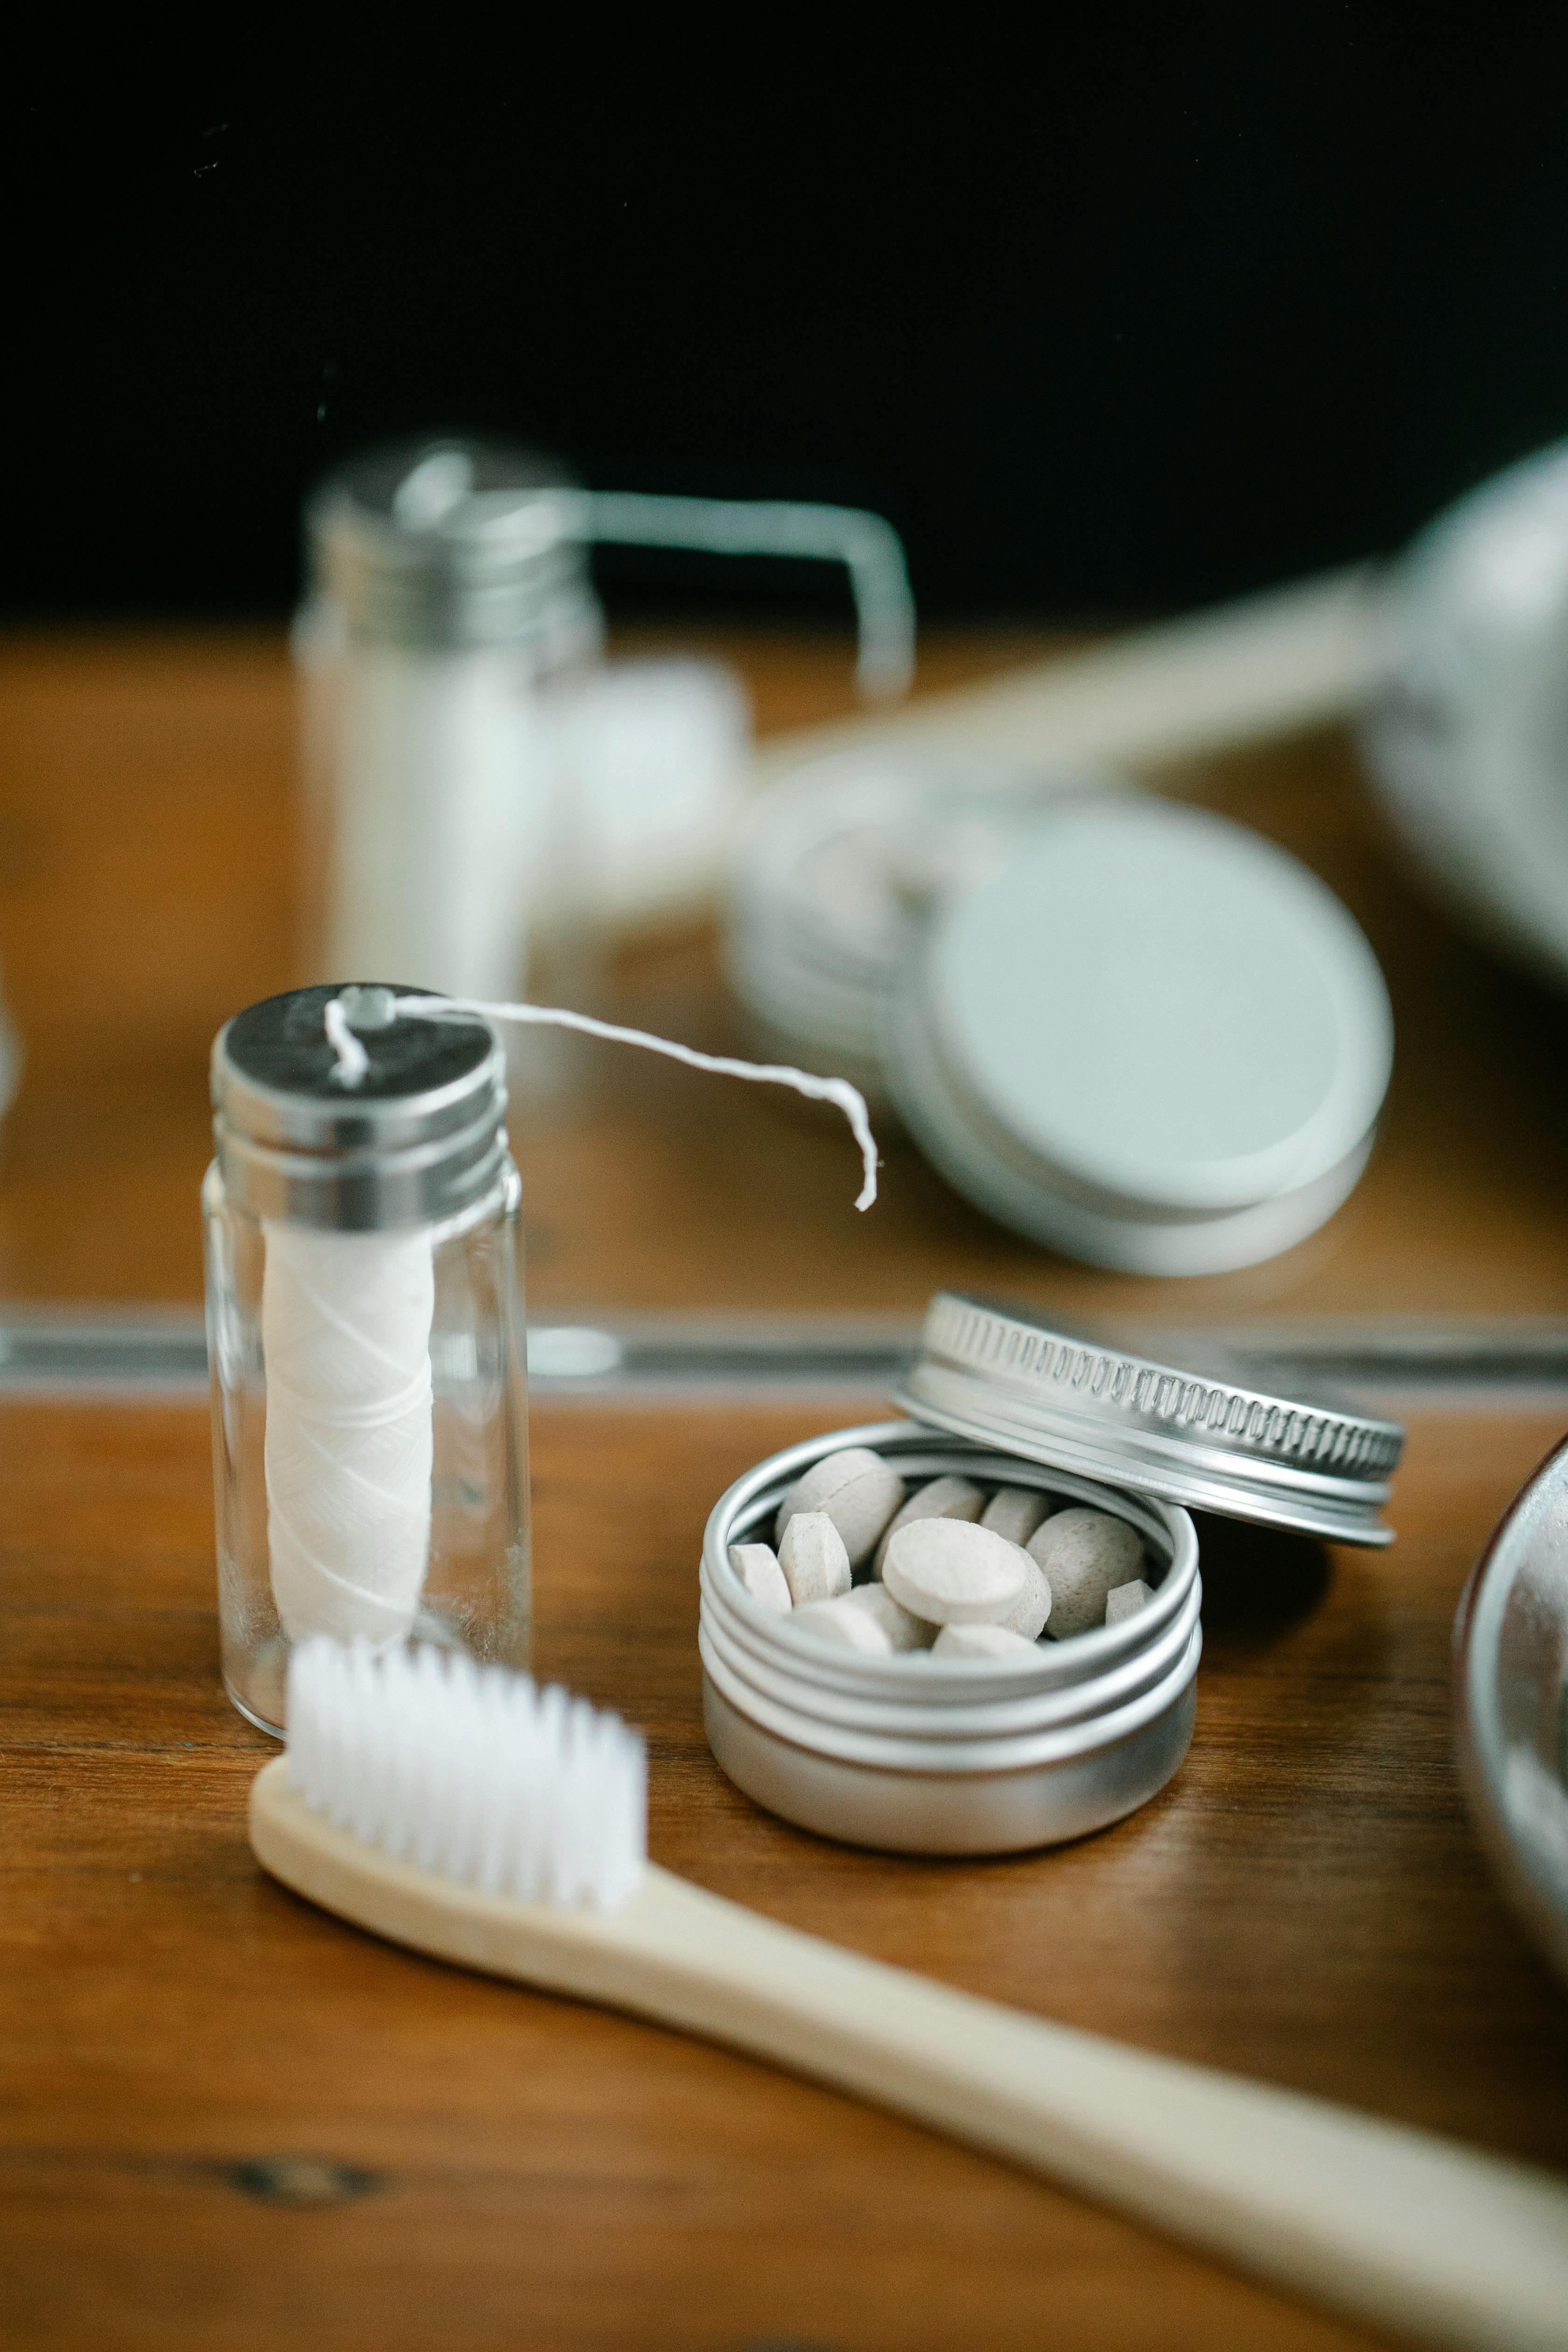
(928,1755)
(1005,1378)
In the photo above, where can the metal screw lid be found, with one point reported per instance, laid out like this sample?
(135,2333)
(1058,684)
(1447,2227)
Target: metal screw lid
(455,543)
(1004,1376)
(419,1139)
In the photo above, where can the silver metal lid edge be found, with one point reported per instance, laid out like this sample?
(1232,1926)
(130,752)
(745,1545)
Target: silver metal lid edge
(1314,1437)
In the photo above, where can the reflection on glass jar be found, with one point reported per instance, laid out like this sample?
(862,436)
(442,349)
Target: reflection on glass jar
(364,1308)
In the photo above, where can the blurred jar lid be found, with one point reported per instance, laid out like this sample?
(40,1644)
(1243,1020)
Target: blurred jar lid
(1148,1038)
(453,543)
(836,867)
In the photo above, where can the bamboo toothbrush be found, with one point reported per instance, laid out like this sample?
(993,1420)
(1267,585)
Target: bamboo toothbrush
(467,1814)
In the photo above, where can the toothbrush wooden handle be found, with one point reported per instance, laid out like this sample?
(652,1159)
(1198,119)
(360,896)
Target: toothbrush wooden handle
(1263,666)
(1413,2233)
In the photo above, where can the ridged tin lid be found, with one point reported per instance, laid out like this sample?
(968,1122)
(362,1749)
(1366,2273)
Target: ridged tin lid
(1196,1437)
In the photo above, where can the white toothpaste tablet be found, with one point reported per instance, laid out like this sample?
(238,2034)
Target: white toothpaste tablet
(1034,1605)
(952,1574)
(1085,1556)
(868,1620)
(1126,1599)
(814,1562)
(757,1568)
(944,1499)
(1015,1512)
(859,1491)
(982,1641)
(904,1630)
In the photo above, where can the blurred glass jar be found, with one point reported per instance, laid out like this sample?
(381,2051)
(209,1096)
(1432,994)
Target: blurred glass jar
(366,1342)
(450,604)
(467,752)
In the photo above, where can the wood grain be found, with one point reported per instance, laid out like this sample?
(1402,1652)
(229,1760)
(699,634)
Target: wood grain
(146,892)
(227,2122)
(226,2119)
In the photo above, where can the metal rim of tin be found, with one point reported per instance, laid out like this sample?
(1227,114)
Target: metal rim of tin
(1511,1672)
(889,1811)
(1004,1379)
(1075,1702)
(918,1752)
(962,1682)
(356,1162)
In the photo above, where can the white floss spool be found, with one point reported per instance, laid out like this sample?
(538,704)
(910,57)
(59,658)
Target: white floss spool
(356,1125)
(345,1321)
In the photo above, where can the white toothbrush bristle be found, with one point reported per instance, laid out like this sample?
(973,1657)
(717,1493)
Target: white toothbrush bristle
(470,1771)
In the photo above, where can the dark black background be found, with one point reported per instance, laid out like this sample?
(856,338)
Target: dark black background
(1109,314)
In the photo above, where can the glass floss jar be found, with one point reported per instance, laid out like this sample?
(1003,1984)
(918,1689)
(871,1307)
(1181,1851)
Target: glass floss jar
(365,1333)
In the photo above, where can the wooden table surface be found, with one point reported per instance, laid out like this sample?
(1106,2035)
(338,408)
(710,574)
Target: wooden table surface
(226,2121)
(147,863)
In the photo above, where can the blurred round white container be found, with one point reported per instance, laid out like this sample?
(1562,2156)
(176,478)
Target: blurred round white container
(1149,1039)
(832,873)
(655,754)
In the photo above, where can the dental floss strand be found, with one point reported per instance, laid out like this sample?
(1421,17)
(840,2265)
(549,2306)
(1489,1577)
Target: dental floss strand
(354,1061)
(346,1320)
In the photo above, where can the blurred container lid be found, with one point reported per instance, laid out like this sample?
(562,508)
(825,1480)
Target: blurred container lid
(1149,1038)
(836,865)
